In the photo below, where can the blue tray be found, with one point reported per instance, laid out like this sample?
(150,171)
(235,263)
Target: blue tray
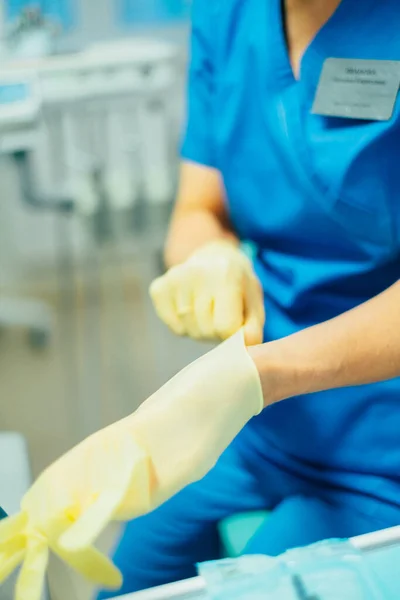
(385,564)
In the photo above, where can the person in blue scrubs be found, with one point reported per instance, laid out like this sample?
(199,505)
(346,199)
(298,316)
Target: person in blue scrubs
(319,198)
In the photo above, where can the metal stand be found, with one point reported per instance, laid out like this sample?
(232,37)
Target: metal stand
(34,315)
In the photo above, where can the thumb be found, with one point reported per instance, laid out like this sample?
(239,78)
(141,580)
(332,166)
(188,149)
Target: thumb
(253,333)
(254,313)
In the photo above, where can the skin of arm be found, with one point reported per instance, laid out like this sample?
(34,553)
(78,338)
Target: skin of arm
(359,347)
(200,214)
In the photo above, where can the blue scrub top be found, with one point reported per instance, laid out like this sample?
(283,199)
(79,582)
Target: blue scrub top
(320,198)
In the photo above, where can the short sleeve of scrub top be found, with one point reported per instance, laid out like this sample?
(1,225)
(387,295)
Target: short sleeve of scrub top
(198,145)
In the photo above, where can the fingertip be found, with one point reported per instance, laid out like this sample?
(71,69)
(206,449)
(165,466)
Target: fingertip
(229,312)
(253,333)
(94,566)
(115,581)
(228,326)
(254,313)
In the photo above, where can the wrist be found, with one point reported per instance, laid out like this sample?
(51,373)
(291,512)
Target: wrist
(282,375)
(223,244)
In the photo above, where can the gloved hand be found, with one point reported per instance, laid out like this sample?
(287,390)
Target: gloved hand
(130,468)
(212,295)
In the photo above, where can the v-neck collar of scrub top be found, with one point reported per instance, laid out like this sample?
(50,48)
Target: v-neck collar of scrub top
(339,25)
(290,99)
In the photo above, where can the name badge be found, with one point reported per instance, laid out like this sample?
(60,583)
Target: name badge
(358,89)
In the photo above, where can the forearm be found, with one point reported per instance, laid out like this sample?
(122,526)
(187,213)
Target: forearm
(359,347)
(191,229)
(200,215)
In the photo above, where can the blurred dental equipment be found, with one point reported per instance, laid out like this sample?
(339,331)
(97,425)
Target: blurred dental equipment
(112,109)
(19,110)
(131,12)
(92,138)
(29,33)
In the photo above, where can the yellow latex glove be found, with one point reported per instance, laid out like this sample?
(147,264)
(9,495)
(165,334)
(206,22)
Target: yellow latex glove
(130,468)
(212,295)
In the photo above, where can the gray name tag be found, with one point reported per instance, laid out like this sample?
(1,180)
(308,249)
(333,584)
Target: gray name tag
(358,89)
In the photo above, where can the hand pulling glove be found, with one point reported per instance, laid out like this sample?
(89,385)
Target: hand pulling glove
(212,295)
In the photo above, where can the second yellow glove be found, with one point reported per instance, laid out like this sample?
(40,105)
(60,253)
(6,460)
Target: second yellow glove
(212,295)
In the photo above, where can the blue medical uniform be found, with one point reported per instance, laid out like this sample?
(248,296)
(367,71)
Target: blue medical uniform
(320,198)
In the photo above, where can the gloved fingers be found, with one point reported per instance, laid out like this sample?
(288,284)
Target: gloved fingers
(31,579)
(92,565)
(229,308)
(254,313)
(12,526)
(203,307)
(14,544)
(162,293)
(82,534)
(90,524)
(185,307)
(9,562)
(138,494)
